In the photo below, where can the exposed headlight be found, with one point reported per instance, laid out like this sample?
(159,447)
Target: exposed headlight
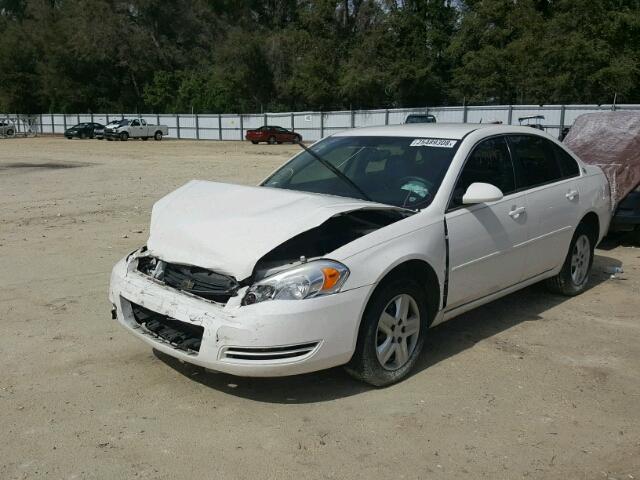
(313,279)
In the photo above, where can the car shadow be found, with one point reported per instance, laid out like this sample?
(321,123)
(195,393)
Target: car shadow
(444,341)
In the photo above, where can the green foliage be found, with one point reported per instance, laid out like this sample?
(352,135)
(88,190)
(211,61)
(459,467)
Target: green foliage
(259,55)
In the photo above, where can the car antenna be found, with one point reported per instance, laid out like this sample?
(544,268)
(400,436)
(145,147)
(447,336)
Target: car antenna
(337,172)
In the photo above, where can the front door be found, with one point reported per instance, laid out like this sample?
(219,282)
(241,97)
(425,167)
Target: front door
(486,240)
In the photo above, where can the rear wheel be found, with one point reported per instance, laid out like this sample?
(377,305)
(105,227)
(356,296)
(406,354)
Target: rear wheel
(391,335)
(574,276)
(157,136)
(254,142)
(124,136)
(10,132)
(272,140)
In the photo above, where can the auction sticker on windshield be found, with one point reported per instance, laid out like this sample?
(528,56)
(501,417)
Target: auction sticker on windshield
(433,142)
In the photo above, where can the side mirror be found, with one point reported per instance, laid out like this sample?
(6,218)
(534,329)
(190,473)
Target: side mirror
(481,193)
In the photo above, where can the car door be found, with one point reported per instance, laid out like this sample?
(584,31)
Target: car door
(135,129)
(552,198)
(485,240)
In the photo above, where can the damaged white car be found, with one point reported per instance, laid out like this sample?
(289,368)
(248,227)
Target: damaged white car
(348,253)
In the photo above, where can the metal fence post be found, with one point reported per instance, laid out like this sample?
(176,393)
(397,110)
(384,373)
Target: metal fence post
(321,124)
(178,125)
(53,125)
(292,121)
(464,113)
(157,119)
(41,124)
(197,128)
(219,127)
(241,127)
(106,116)
(353,119)
(64,121)
(386,116)
(562,111)
(78,116)
(265,119)
(510,115)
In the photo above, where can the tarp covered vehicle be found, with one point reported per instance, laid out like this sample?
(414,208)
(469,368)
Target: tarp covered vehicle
(612,142)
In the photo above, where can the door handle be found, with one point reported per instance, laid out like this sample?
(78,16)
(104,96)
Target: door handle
(571,194)
(516,212)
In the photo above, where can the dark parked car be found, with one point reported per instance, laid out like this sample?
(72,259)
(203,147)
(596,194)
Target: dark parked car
(98,132)
(420,118)
(82,130)
(272,135)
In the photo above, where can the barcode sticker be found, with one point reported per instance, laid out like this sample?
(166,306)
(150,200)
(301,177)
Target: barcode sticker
(433,142)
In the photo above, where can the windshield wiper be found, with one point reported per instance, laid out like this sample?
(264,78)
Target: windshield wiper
(337,172)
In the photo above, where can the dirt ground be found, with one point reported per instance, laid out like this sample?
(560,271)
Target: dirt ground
(530,386)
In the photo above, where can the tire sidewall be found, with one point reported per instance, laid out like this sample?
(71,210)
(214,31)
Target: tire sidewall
(157,136)
(364,363)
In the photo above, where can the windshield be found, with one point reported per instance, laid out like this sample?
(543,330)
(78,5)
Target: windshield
(401,171)
(80,125)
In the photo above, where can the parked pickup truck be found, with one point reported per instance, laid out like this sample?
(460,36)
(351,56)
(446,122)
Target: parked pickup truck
(137,128)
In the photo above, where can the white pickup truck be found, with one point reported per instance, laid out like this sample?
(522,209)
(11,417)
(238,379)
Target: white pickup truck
(137,128)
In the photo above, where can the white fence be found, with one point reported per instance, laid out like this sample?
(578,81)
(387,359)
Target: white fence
(315,125)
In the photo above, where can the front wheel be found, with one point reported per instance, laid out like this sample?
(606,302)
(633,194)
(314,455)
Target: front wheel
(391,335)
(124,136)
(254,142)
(574,276)
(157,136)
(10,132)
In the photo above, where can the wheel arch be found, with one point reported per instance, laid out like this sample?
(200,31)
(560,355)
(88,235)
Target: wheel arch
(417,269)
(591,221)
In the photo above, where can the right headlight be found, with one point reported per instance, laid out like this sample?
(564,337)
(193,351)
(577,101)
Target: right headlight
(312,279)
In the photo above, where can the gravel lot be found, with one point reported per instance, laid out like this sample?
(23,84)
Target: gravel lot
(533,385)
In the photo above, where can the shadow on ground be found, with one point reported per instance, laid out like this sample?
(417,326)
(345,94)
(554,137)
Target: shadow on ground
(444,341)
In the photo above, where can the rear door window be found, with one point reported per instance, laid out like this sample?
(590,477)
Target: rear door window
(535,161)
(568,165)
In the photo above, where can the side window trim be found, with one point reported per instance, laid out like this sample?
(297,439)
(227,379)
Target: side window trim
(450,206)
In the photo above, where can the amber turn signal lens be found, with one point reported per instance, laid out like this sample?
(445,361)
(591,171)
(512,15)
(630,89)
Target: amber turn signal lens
(331,277)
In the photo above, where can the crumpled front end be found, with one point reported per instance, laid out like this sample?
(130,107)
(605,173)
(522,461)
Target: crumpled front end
(274,338)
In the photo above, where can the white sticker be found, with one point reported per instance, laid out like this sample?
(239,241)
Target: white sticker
(433,142)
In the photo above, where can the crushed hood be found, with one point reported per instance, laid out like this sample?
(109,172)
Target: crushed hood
(228,228)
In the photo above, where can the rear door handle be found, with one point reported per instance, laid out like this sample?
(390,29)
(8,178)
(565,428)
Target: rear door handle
(516,212)
(571,194)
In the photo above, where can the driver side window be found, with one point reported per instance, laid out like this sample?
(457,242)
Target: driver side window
(490,162)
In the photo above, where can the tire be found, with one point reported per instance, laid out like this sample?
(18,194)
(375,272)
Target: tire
(254,142)
(68,138)
(574,276)
(271,141)
(157,136)
(374,363)
(10,132)
(109,139)
(124,136)
(298,139)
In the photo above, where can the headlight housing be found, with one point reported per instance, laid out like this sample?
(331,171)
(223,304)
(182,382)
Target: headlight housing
(312,279)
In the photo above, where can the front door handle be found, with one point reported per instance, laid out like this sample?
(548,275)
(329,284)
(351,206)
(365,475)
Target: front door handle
(516,212)
(571,194)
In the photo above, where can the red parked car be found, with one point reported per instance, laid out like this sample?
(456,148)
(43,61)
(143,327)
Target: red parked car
(272,135)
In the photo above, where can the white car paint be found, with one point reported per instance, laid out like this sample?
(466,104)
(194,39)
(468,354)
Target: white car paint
(491,252)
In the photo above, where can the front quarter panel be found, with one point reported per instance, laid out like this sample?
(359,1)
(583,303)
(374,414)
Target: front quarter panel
(370,258)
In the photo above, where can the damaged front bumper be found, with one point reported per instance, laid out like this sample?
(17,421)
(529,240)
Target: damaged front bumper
(272,338)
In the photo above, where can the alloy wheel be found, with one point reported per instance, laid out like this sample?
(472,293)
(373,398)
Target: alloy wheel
(398,332)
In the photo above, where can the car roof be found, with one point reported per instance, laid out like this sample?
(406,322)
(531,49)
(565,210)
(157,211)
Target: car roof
(436,130)
(454,131)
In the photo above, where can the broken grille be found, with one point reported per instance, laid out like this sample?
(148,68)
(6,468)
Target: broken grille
(195,280)
(181,335)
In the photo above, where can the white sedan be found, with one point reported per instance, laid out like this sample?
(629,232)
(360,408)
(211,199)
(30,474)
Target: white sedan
(349,252)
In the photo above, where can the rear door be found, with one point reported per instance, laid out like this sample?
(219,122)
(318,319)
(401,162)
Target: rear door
(549,180)
(486,240)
